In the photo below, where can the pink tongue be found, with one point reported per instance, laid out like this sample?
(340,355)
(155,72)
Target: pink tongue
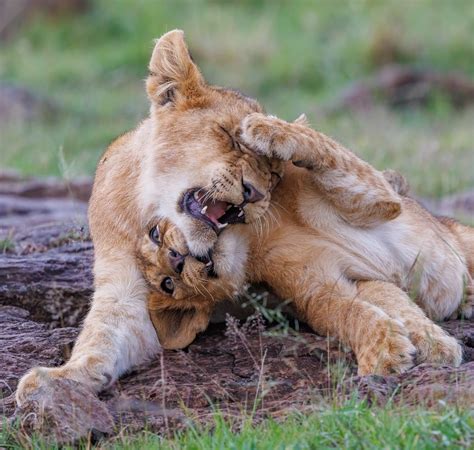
(215,209)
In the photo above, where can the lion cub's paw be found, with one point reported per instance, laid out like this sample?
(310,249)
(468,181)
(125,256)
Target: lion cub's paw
(32,381)
(90,375)
(398,182)
(436,346)
(390,350)
(268,135)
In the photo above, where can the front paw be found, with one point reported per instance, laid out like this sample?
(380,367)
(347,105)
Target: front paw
(268,136)
(389,352)
(60,409)
(89,373)
(439,348)
(34,380)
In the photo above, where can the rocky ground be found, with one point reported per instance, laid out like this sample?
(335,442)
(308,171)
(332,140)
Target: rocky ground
(45,288)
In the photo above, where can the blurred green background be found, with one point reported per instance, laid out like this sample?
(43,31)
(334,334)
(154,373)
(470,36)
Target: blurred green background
(294,56)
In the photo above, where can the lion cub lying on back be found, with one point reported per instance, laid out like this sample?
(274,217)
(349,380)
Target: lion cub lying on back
(185,290)
(334,231)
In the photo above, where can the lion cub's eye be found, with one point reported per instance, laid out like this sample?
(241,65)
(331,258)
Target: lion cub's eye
(154,234)
(167,285)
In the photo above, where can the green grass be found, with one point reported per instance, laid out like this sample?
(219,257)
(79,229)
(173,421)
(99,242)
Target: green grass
(7,244)
(294,56)
(352,425)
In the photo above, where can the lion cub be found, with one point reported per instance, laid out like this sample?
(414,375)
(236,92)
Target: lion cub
(184,288)
(355,224)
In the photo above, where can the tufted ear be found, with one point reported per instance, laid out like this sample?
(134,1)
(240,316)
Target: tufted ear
(173,75)
(302,120)
(398,182)
(178,328)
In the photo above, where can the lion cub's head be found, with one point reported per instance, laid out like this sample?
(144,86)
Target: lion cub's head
(195,171)
(184,289)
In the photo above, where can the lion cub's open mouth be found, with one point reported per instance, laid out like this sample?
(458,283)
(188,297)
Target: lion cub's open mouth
(215,213)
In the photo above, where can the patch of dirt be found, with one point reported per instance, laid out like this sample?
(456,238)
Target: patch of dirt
(26,343)
(13,184)
(46,266)
(238,367)
(45,289)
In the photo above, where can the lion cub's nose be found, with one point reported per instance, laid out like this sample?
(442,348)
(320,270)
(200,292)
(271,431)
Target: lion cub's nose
(176,261)
(251,195)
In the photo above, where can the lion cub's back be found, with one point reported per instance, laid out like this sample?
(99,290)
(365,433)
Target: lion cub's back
(112,207)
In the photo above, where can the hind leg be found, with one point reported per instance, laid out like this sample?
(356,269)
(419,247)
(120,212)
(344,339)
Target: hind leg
(433,344)
(329,303)
(380,342)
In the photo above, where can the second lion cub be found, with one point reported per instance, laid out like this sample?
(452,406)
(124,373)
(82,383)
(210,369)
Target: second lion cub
(185,290)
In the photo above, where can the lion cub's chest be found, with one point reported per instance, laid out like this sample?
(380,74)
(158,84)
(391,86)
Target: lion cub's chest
(386,251)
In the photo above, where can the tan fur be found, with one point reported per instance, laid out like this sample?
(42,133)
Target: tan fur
(400,241)
(191,140)
(185,143)
(384,327)
(308,251)
(432,343)
(465,238)
(321,245)
(180,315)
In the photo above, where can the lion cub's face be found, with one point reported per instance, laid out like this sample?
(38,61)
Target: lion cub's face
(180,280)
(196,173)
(185,289)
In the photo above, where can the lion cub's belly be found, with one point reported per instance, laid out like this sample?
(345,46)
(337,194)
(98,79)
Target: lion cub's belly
(412,251)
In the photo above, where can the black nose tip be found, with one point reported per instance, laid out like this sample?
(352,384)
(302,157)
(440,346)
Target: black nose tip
(176,261)
(206,259)
(251,195)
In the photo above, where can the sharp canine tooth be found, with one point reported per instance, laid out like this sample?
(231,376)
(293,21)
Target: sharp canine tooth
(209,264)
(203,210)
(222,225)
(241,213)
(196,196)
(230,206)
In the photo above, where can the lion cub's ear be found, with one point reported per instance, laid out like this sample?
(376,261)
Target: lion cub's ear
(178,328)
(302,120)
(398,182)
(173,75)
